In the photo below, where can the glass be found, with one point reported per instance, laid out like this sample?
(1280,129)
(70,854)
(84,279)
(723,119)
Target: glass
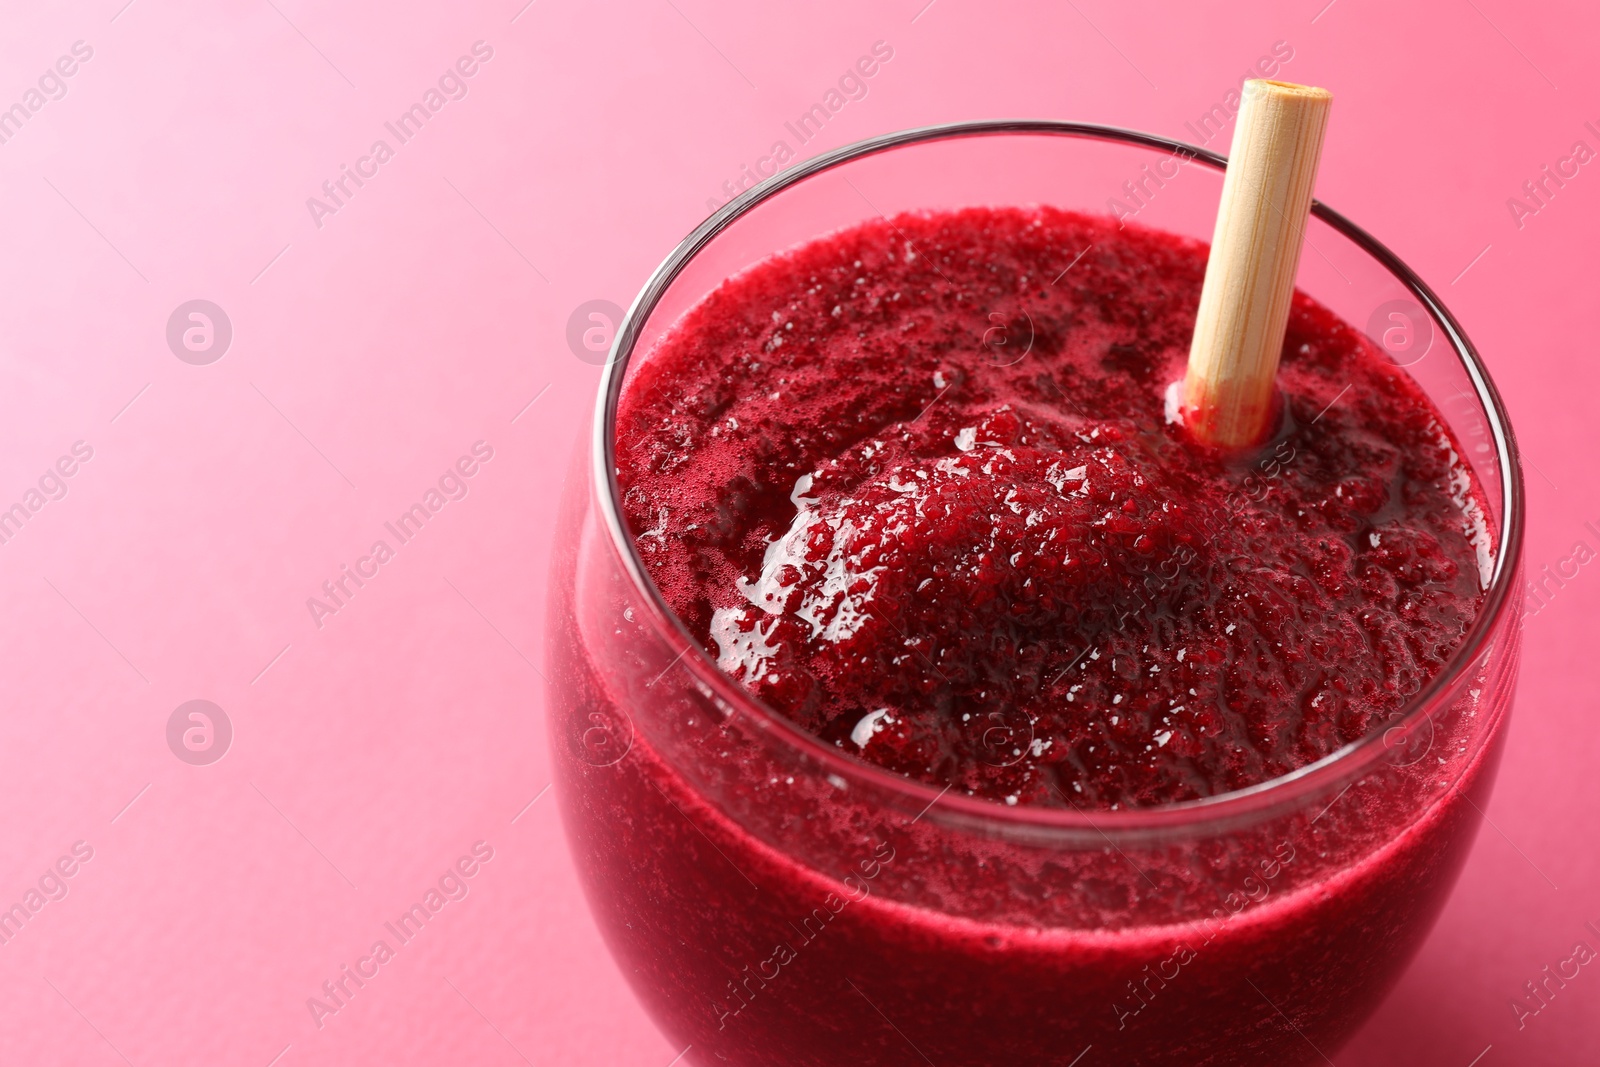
(773,901)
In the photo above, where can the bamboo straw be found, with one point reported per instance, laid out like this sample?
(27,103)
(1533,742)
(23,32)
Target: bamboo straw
(1229,390)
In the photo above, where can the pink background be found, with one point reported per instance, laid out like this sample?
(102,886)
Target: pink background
(368,354)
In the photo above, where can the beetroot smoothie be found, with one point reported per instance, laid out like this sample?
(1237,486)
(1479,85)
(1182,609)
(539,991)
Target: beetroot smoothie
(919,487)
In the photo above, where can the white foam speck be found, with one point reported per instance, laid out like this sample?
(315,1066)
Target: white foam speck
(1172,408)
(867,727)
(1477,524)
(741,651)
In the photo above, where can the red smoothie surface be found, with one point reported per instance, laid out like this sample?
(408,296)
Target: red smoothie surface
(917,486)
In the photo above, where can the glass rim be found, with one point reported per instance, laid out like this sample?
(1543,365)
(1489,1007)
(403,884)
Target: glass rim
(1347,761)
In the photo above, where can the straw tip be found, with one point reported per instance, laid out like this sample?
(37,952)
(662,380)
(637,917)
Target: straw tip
(1286,90)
